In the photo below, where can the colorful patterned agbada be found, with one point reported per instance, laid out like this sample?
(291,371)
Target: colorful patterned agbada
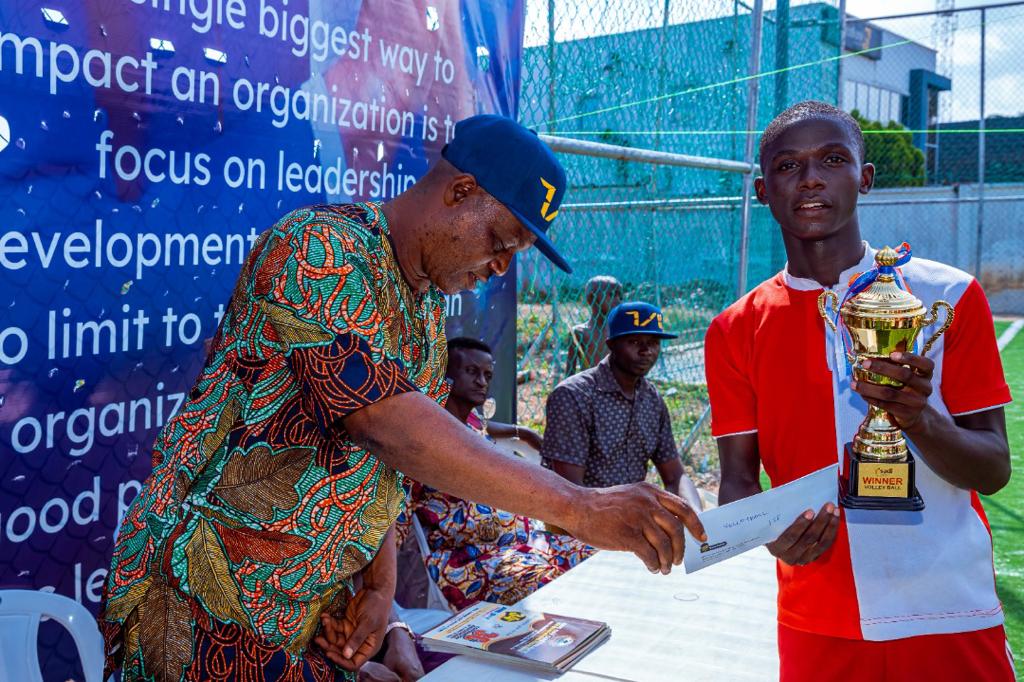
(260,508)
(478,553)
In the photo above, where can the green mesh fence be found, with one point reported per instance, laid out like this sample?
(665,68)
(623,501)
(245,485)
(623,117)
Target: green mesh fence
(919,98)
(665,76)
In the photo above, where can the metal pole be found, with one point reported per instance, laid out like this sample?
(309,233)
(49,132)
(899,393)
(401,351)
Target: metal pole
(570,145)
(659,105)
(979,233)
(753,89)
(782,22)
(954,215)
(552,114)
(839,66)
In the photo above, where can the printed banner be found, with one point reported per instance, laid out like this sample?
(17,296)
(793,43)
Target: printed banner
(144,145)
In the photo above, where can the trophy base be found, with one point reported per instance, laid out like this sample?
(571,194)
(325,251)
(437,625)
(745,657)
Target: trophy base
(884,486)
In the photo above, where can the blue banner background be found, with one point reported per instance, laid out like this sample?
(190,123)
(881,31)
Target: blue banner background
(85,245)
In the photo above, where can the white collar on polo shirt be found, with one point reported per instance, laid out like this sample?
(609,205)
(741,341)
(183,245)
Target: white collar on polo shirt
(805,284)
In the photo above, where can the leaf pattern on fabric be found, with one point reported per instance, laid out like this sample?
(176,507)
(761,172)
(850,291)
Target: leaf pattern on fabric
(182,484)
(130,633)
(121,608)
(352,560)
(165,633)
(382,511)
(259,481)
(334,601)
(209,575)
(213,440)
(291,330)
(275,255)
(263,546)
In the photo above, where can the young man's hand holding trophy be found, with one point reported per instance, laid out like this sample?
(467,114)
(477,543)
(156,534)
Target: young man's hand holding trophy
(881,317)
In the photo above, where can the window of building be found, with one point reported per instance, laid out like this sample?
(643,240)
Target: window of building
(862,99)
(872,102)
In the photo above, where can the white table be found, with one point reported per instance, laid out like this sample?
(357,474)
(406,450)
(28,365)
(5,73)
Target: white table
(716,624)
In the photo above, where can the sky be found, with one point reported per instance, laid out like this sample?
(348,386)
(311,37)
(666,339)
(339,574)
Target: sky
(1004,66)
(1004,93)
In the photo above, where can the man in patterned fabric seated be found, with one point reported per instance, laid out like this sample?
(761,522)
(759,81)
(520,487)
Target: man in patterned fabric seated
(277,483)
(477,552)
(606,423)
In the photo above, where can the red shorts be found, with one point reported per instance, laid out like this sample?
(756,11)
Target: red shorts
(980,655)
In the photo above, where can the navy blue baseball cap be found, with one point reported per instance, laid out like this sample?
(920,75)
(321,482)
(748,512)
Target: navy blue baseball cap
(516,168)
(636,317)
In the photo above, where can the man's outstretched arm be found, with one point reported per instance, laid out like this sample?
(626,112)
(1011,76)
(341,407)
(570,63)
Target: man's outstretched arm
(413,434)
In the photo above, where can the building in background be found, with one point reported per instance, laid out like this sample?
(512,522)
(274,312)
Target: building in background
(889,78)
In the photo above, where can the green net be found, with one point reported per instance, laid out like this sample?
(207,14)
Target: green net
(668,77)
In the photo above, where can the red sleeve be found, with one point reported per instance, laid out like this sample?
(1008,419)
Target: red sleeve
(733,402)
(972,373)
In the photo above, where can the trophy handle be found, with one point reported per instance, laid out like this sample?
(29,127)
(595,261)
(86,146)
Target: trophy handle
(823,311)
(930,320)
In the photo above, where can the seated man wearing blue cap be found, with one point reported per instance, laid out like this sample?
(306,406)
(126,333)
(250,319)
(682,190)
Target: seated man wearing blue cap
(261,545)
(606,423)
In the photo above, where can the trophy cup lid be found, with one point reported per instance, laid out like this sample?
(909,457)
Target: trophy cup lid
(883,300)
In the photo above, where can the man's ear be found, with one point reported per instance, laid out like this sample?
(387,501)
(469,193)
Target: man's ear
(867,177)
(459,188)
(759,189)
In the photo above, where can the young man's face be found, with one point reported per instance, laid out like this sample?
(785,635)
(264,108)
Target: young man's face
(635,354)
(470,371)
(812,176)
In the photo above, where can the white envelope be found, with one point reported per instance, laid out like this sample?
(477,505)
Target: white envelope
(759,519)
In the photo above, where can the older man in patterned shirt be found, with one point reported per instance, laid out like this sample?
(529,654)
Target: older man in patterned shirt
(277,483)
(606,423)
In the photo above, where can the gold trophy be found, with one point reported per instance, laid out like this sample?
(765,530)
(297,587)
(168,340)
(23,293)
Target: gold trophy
(881,319)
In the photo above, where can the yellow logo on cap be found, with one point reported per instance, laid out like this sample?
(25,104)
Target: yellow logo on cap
(638,323)
(547,201)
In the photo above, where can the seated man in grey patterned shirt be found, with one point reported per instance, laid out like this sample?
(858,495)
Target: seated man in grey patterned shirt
(605,423)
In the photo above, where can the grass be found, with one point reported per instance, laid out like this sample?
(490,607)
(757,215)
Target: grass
(1005,509)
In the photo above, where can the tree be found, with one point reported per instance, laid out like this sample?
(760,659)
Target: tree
(898,163)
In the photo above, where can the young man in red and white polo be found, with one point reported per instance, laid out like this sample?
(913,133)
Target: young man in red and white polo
(863,595)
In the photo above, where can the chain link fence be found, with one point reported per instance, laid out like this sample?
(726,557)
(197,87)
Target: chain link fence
(941,97)
(650,78)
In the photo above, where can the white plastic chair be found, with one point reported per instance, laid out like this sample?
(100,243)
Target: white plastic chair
(421,620)
(435,598)
(20,611)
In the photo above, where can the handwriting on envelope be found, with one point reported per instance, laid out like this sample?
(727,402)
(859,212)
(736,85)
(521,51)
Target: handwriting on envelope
(751,522)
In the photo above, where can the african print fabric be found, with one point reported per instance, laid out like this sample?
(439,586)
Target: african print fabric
(478,553)
(260,508)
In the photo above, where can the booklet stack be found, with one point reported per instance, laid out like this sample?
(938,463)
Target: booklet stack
(540,642)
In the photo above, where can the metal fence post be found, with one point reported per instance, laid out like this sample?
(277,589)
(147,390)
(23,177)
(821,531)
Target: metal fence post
(753,89)
(979,232)
(839,64)
(552,114)
(782,23)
